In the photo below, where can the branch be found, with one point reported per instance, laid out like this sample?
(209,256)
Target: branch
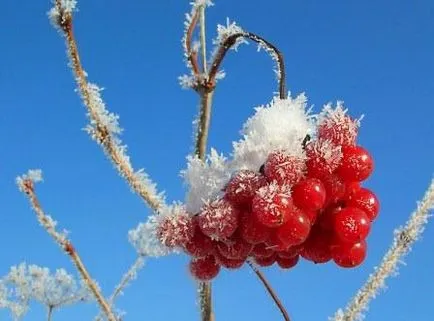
(104,126)
(270,291)
(402,243)
(189,53)
(268,46)
(26,185)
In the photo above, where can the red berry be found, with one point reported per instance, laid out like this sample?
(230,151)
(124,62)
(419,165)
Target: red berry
(272,205)
(349,255)
(251,230)
(317,246)
(265,261)
(243,185)
(218,219)
(295,231)
(237,249)
(309,194)
(352,224)
(312,216)
(357,164)
(284,168)
(290,252)
(228,263)
(351,188)
(200,245)
(204,268)
(176,230)
(366,200)
(327,217)
(338,127)
(323,157)
(335,189)
(262,250)
(287,263)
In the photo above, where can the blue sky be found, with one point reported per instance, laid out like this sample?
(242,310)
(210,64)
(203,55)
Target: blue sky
(377,56)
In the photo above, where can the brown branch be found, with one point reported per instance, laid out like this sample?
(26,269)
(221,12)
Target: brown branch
(204,122)
(27,186)
(191,54)
(231,40)
(270,291)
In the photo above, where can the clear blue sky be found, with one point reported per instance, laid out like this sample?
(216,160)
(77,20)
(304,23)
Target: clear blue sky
(377,56)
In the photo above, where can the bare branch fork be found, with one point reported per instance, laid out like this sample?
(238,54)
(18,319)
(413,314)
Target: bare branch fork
(26,185)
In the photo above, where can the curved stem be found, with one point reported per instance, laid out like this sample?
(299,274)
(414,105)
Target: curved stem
(50,313)
(270,291)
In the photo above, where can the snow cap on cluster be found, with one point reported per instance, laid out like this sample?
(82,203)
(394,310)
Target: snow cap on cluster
(281,125)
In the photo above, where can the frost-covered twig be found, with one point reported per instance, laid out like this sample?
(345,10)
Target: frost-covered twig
(402,242)
(26,184)
(232,40)
(270,291)
(104,127)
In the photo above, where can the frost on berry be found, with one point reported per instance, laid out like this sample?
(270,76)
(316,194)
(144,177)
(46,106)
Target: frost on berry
(366,200)
(251,230)
(243,185)
(335,189)
(200,245)
(349,255)
(351,224)
(284,168)
(272,205)
(177,229)
(204,268)
(336,126)
(234,249)
(309,194)
(296,229)
(218,219)
(357,164)
(323,158)
(228,263)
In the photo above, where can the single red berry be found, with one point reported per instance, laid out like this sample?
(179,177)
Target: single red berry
(317,246)
(290,252)
(265,261)
(366,200)
(251,230)
(275,243)
(262,250)
(295,231)
(204,268)
(336,126)
(176,230)
(228,263)
(357,164)
(237,249)
(352,224)
(243,185)
(323,157)
(335,189)
(272,205)
(218,219)
(200,245)
(287,263)
(351,188)
(309,194)
(284,168)
(349,255)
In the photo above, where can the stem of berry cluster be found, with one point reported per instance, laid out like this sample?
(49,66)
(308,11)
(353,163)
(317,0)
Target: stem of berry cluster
(50,313)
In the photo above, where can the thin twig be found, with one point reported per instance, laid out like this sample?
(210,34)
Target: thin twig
(402,242)
(270,291)
(100,131)
(27,187)
(190,53)
(50,313)
(269,47)
(204,122)
(203,38)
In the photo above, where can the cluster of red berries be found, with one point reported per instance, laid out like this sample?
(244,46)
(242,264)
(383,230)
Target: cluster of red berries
(292,207)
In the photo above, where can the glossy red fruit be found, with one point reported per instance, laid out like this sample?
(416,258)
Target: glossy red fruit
(284,168)
(228,263)
(287,263)
(351,188)
(366,200)
(200,245)
(237,249)
(349,255)
(176,230)
(275,243)
(323,158)
(251,230)
(291,252)
(243,185)
(357,164)
(295,231)
(272,205)
(351,224)
(265,261)
(204,268)
(335,189)
(218,219)
(309,194)
(317,246)
(338,127)
(262,250)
